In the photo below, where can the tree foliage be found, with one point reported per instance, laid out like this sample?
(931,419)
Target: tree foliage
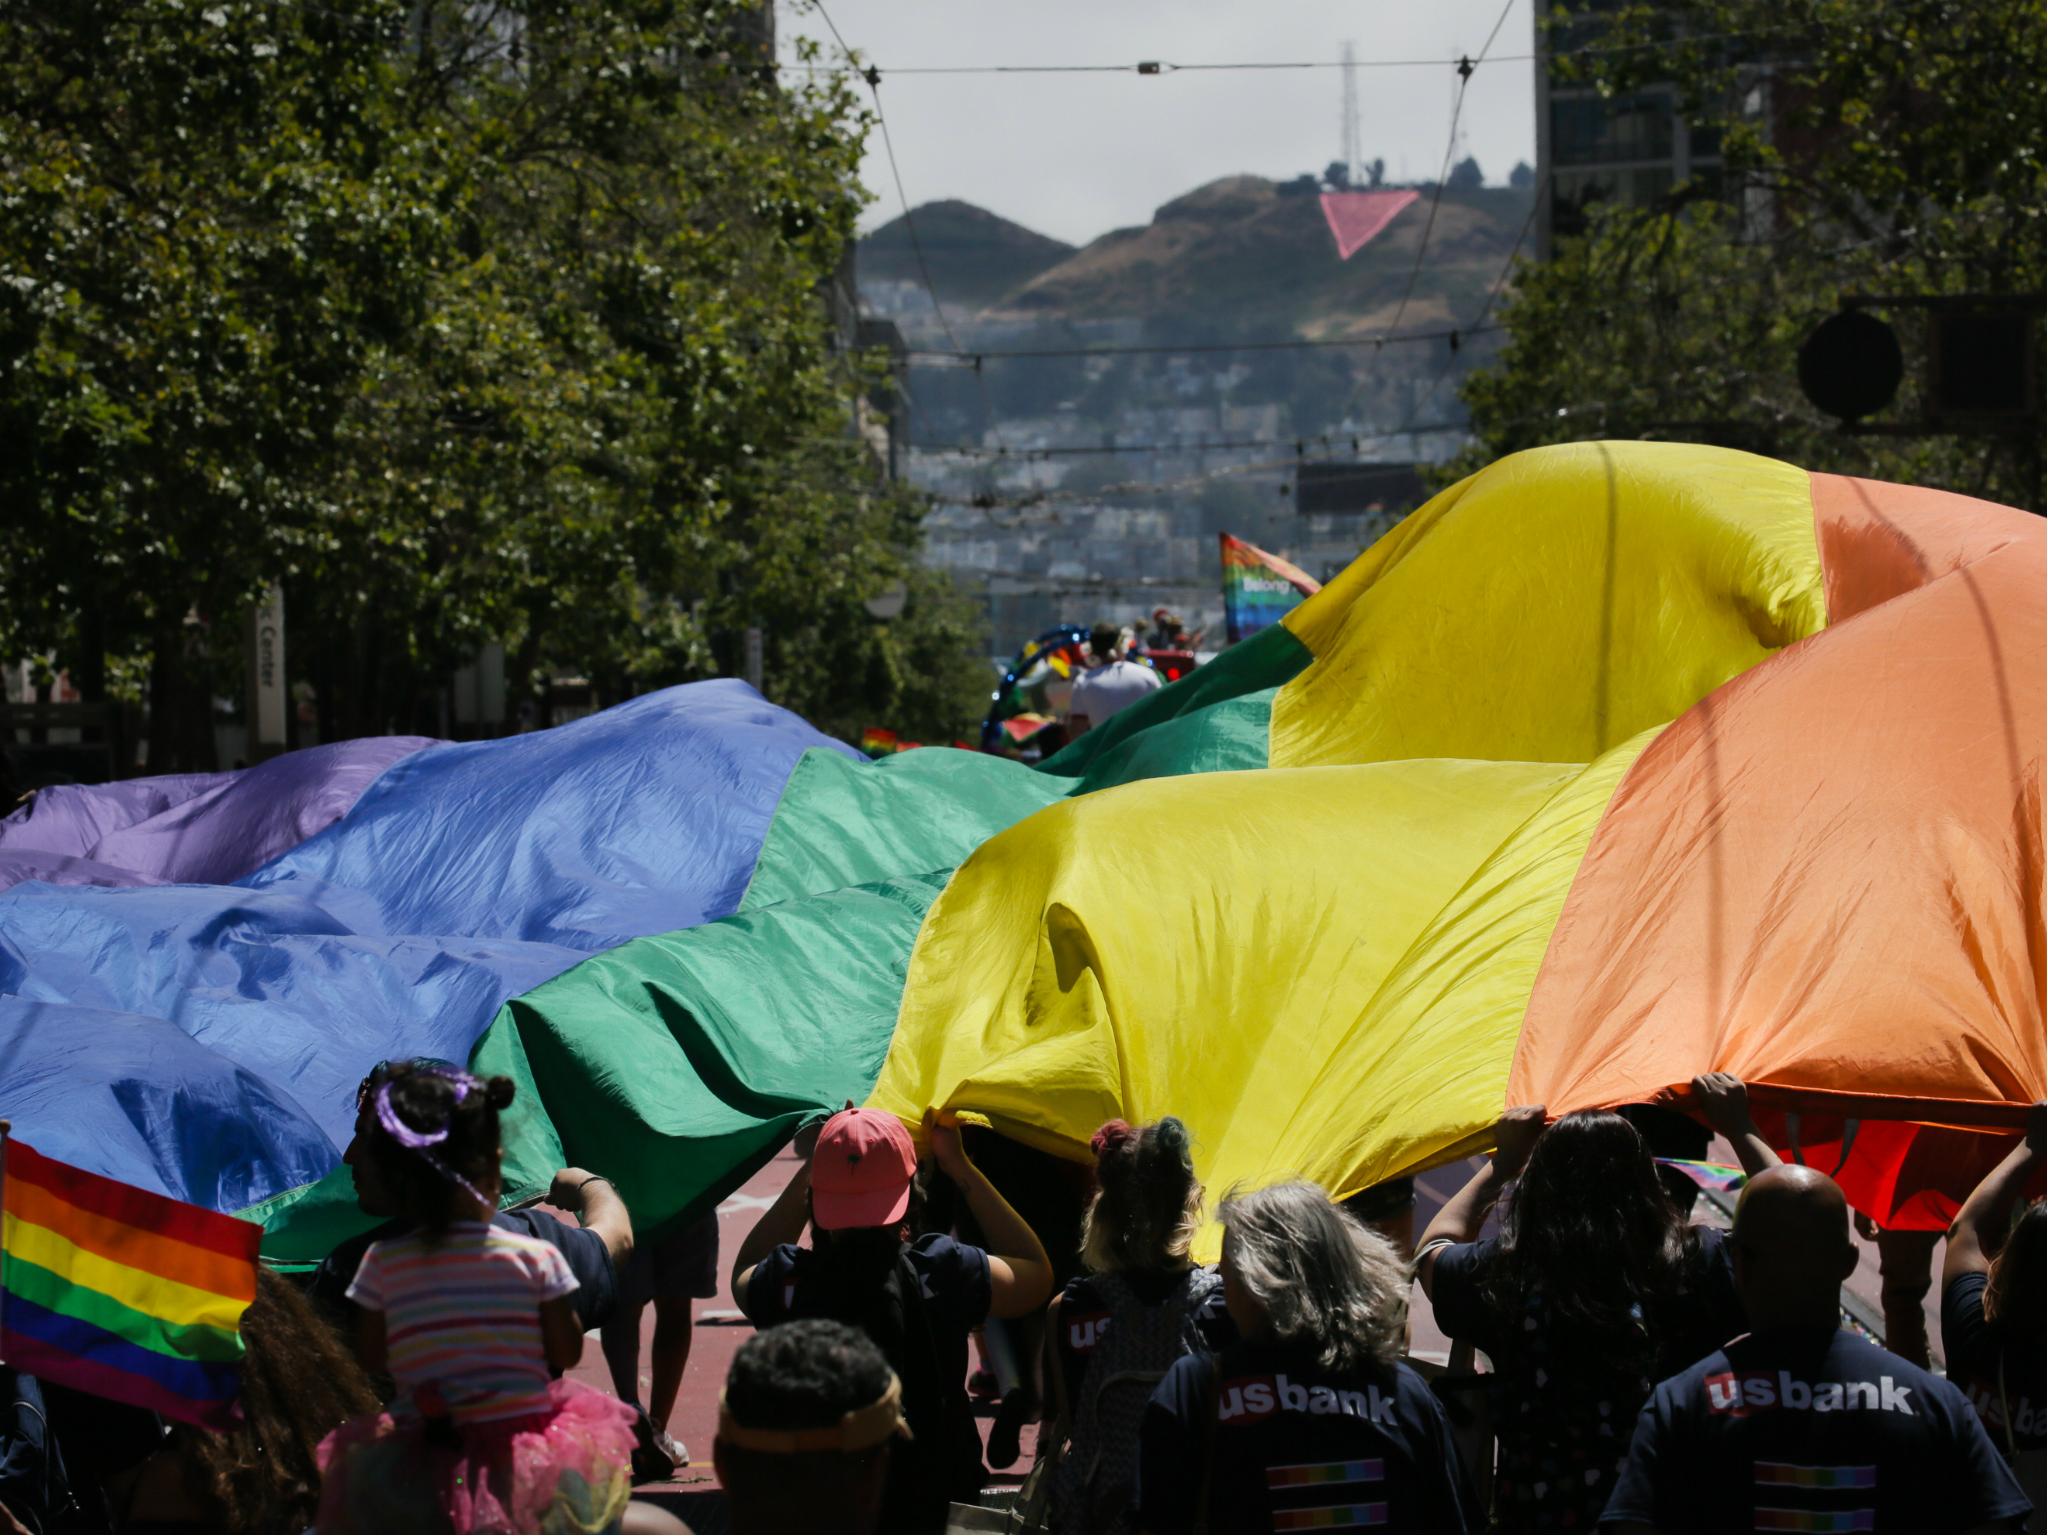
(463,322)
(1890,149)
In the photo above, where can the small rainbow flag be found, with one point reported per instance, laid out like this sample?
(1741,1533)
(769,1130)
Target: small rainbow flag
(1258,588)
(1719,1177)
(118,1292)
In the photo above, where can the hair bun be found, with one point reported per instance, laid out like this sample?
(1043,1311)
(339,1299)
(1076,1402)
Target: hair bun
(1112,1137)
(498,1092)
(1171,1137)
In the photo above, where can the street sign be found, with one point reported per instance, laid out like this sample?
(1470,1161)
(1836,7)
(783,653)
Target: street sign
(267,684)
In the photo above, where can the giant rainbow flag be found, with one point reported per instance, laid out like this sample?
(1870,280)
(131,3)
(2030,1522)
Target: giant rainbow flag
(1612,764)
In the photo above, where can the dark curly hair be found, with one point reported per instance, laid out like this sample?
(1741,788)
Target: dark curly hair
(299,1383)
(1148,1202)
(806,1375)
(455,1118)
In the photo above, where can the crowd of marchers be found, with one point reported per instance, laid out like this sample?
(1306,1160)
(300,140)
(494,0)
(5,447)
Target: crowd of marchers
(1642,1372)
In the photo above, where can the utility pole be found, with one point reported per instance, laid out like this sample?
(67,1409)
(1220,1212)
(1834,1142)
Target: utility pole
(1353,154)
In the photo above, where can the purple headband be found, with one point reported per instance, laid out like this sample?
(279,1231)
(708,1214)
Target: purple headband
(404,1134)
(423,1142)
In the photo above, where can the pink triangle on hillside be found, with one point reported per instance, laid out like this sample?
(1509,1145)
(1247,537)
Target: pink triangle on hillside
(1356,217)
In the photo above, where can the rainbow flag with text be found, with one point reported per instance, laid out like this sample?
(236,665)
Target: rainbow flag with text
(122,1293)
(1258,588)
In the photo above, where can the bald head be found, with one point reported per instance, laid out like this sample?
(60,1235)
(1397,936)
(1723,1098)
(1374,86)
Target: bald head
(1790,1204)
(1792,1248)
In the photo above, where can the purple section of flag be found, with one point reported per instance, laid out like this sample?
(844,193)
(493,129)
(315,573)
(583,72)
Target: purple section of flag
(203,1037)
(195,828)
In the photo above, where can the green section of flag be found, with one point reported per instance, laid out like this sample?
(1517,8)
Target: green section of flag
(1223,738)
(1264,662)
(677,1065)
(842,823)
(180,1341)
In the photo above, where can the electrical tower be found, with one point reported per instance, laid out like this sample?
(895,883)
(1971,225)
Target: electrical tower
(1352,152)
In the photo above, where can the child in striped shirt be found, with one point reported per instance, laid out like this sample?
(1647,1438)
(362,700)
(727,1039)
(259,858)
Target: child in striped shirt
(475,1326)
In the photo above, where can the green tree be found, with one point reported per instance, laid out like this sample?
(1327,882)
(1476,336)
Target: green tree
(1888,149)
(464,322)
(192,229)
(1466,176)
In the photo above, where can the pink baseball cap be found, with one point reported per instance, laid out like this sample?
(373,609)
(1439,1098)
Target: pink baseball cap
(861,1171)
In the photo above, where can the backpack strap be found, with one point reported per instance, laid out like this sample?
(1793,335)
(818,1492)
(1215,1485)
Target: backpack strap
(1210,1407)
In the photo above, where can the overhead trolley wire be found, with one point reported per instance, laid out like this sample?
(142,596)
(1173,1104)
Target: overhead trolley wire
(1479,325)
(1169,67)
(874,81)
(1466,67)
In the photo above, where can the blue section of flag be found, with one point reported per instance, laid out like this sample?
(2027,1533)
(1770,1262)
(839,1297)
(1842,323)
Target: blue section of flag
(201,1381)
(205,1041)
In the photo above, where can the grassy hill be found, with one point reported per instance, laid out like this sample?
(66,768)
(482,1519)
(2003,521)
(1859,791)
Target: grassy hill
(975,256)
(1235,259)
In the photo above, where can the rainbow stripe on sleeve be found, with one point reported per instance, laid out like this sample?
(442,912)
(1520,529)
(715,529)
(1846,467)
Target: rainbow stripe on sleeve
(1786,1474)
(1310,1473)
(122,1293)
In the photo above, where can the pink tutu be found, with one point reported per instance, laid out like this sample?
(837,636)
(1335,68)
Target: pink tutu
(567,1469)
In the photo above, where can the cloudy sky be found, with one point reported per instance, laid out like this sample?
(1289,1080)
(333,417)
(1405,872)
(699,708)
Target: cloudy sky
(1075,155)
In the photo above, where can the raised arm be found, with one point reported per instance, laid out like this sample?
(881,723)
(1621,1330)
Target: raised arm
(783,1222)
(1019,1274)
(1465,1212)
(1724,1100)
(1981,1224)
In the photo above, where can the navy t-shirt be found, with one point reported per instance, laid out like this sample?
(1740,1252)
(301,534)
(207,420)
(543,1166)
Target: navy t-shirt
(1976,1351)
(952,1275)
(584,1250)
(953,1286)
(1563,1412)
(1811,1433)
(1704,1318)
(1284,1445)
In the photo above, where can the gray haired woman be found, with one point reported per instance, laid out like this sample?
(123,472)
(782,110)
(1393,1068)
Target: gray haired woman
(1311,1419)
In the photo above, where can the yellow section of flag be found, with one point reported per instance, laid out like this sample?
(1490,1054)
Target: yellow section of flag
(168,1300)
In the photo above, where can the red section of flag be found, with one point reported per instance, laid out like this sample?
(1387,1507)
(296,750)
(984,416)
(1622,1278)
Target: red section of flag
(149,1213)
(1355,218)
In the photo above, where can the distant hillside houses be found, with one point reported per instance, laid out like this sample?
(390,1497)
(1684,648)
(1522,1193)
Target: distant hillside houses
(1037,506)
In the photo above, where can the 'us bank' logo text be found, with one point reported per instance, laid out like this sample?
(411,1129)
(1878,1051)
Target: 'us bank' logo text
(1249,1398)
(1739,1395)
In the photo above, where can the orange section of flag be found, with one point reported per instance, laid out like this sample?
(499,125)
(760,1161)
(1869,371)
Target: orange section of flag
(1825,877)
(201,1268)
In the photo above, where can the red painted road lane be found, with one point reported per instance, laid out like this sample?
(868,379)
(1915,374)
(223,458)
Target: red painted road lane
(720,1330)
